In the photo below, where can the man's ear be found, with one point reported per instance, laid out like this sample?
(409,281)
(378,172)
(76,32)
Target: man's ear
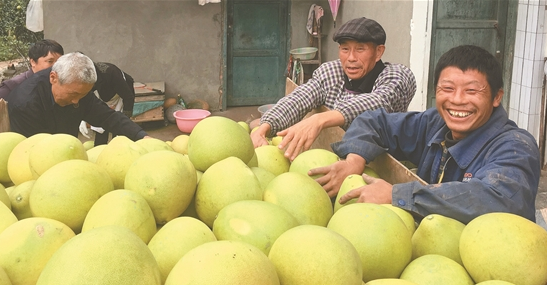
(33,63)
(380,51)
(53,78)
(497,98)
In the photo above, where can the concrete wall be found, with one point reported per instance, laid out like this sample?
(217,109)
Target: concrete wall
(181,42)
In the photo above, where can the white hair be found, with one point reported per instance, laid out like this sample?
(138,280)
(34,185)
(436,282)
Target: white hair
(75,67)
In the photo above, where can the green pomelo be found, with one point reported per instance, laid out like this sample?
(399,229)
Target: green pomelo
(506,247)
(7,218)
(495,282)
(390,281)
(9,141)
(153,144)
(263,176)
(255,222)
(67,190)
(166,179)
(18,161)
(438,234)
(301,196)
(272,159)
(313,158)
(27,246)
(216,138)
(407,218)
(94,152)
(175,239)
(4,197)
(224,262)
(379,235)
(53,150)
(434,269)
(315,255)
(222,184)
(105,255)
(277,140)
(245,126)
(88,145)
(191,209)
(180,144)
(19,198)
(123,208)
(116,158)
(4,278)
(253,162)
(352,181)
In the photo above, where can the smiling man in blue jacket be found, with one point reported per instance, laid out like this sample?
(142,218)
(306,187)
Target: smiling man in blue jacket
(474,158)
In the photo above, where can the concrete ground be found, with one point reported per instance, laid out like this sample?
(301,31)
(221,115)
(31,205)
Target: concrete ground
(159,130)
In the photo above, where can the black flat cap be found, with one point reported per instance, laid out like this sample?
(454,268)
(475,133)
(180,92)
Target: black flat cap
(361,30)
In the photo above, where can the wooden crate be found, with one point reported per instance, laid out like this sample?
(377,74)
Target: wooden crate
(155,114)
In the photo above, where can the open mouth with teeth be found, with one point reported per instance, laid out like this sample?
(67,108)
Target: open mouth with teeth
(458,114)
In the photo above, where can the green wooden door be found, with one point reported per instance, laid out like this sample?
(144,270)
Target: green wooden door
(486,23)
(256,53)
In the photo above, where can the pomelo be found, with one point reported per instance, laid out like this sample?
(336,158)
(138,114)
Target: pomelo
(27,246)
(4,278)
(18,161)
(93,153)
(88,145)
(495,282)
(4,197)
(180,144)
(253,162)
(379,235)
(390,281)
(224,262)
(104,255)
(505,247)
(7,218)
(407,218)
(245,126)
(351,182)
(434,269)
(167,181)
(9,141)
(437,234)
(255,222)
(123,208)
(310,254)
(272,159)
(67,190)
(263,175)
(116,158)
(277,140)
(301,196)
(19,198)
(175,239)
(52,150)
(313,158)
(216,138)
(153,144)
(225,182)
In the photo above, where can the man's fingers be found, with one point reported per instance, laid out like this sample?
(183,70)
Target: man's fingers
(368,179)
(355,193)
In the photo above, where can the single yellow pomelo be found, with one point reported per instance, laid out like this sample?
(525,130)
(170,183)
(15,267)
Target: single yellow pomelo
(4,278)
(253,162)
(191,209)
(7,218)
(199,175)
(434,269)
(310,254)
(277,140)
(301,196)
(118,156)
(9,189)
(263,175)
(88,145)
(67,190)
(216,138)
(225,182)
(27,246)
(255,222)
(272,159)
(4,197)
(19,198)
(379,235)
(505,247)
(495,282)
(94,152)
(18,161)
(153,144)
(175,239)
(104,255)
(166,179)
(180,143)
(123,208)
(352,181)
(245,126)
(390,281)
(9,141)
(223,262)
(52,150)
(406,216)
(313,158)
(437,234)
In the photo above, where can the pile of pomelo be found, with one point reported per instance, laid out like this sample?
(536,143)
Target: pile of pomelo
(208,208)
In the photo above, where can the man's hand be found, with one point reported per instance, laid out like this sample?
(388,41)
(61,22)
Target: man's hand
(335,173)
(299,137)
(259,135)
(376,191)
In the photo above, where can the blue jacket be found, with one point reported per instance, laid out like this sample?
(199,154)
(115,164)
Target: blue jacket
(494,169)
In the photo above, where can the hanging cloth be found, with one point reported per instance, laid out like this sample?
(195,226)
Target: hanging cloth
(35,16)
(203,2)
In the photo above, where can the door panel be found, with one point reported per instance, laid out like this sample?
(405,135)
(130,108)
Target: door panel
(256,51)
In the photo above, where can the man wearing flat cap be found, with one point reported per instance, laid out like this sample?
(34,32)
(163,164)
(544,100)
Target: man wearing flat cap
(356,82)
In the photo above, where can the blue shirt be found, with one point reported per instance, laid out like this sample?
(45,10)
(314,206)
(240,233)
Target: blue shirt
(496,168)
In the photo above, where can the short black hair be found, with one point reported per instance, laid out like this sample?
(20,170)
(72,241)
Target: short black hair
(468,57)
(42,48)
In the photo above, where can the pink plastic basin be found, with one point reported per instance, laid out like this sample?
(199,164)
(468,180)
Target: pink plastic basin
(188,119)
